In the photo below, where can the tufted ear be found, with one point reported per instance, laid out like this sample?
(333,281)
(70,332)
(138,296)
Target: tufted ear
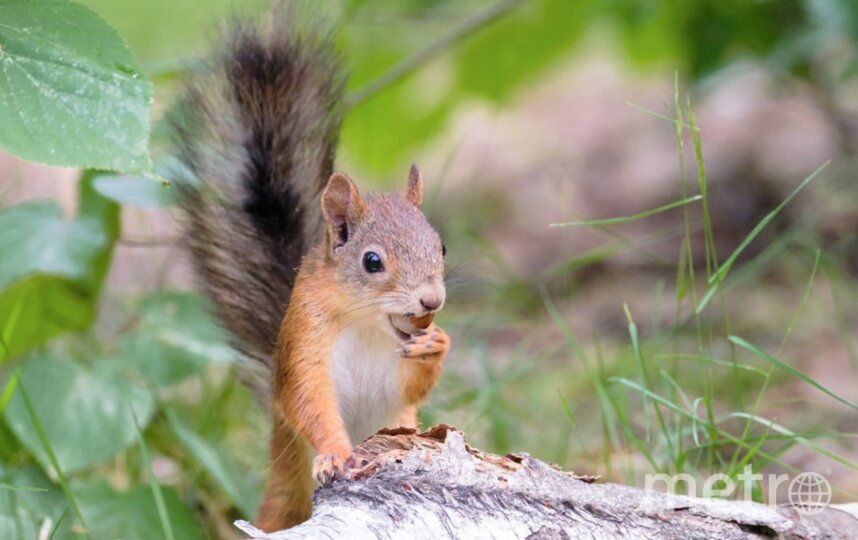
(342,207)
(414,192)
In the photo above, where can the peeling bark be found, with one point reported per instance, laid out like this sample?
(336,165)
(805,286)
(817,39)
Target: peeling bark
(433,485)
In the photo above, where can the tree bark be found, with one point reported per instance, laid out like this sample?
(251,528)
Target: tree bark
(433,485)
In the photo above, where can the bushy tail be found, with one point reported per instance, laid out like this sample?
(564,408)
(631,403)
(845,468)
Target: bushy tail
(257,130)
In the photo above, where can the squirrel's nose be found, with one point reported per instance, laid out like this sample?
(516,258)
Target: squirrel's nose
(431,303)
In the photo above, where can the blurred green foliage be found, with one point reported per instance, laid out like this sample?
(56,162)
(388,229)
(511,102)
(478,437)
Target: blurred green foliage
(165,372)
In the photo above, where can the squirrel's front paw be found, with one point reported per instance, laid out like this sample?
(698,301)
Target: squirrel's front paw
(426,345)
(328,467)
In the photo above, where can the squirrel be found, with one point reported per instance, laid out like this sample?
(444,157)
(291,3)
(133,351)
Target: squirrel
(328,292)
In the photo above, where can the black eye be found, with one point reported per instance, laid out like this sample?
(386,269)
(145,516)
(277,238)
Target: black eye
(443,250)
(372,262)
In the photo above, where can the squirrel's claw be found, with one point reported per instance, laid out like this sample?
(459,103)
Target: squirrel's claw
(425,344)
(328,467)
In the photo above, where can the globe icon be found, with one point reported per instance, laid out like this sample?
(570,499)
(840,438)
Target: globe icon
(809,493)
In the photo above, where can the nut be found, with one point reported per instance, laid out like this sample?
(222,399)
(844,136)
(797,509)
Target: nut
(422,322)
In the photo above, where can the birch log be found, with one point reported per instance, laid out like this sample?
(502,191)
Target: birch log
(433,485)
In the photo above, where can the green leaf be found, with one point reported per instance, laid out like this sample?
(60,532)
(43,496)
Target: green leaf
(71,93)
(47,283)
(53,280)
(242,489)
(135,191)
(43,242)
(176,338)
(83,411)
(23,511)
(133,515)
(51,306)
(92,206)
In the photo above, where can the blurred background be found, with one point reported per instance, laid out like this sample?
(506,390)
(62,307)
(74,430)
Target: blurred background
(715,333)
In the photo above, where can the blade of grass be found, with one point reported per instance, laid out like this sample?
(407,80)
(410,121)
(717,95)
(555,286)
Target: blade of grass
(8,392)
(789,369)
(685,281)
(719,276)
(794,320)
(710,250)
(709,237)
(59,522)
(609,428)
(750,454)
(678,430)
(713,424)
(775,437)
(803,302)
(709,360)
(799,438)
(714,434)
(49,451)
(628,219)
(646,381)
(163,516)
(12,487)
(621,409)
(709,423)
(568,412)
(658,115)
(9,327)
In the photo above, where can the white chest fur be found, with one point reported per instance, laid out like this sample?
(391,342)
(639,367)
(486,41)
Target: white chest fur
(364,368)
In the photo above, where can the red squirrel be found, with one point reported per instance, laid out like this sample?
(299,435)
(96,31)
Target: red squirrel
(329,294)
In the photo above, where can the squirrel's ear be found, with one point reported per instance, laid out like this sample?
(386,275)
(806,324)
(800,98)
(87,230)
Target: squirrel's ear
(342,206)
(414,193)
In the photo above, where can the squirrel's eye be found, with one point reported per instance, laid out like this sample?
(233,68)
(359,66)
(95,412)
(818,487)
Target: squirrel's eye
(443,250)
(372,262)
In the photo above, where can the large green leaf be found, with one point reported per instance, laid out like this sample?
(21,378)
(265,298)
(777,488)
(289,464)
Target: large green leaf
(175,339)
(133,515)
(71,93)
(85,412)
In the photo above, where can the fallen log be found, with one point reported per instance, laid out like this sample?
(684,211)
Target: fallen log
(433,485)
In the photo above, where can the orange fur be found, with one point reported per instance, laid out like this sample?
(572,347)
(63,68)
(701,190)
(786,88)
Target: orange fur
(305,402)
(331,299)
